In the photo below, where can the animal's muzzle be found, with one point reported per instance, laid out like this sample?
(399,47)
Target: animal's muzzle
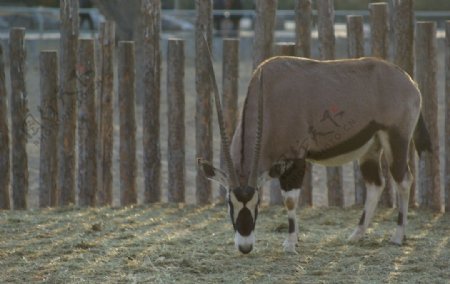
(245,248)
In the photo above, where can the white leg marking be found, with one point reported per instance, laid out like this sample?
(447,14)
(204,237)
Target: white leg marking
(291,201)
(403,189)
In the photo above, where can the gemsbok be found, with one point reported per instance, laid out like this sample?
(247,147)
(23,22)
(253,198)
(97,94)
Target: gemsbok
(326,112)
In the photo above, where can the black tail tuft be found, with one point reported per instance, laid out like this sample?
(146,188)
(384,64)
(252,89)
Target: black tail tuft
(421,137)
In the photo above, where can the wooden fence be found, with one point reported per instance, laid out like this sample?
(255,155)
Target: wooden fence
(79,91)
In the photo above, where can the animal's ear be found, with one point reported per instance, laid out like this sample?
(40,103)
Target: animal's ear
(212,172)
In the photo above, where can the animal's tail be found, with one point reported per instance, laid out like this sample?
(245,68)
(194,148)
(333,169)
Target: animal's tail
(421,137)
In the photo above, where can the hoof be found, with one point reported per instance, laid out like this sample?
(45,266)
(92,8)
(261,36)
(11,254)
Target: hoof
(398,240)
(356,235)
(289,246)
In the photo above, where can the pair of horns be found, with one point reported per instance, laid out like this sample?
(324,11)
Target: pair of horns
(232,174)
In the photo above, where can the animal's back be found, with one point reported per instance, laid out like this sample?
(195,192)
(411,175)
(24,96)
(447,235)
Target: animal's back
(327,102)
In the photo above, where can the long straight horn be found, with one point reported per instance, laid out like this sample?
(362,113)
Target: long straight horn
(234,182)
(253,178)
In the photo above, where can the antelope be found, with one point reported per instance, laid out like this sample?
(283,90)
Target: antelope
(326,112)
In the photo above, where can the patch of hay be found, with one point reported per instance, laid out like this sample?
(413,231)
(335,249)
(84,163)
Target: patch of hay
(189,244)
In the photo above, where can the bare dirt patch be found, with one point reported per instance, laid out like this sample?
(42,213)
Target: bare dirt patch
(191,244)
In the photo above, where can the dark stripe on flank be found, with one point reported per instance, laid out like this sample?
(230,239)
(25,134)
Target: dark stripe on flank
(291,225)
(347,146)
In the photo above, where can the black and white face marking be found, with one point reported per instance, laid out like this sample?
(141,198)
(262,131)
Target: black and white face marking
(243,208)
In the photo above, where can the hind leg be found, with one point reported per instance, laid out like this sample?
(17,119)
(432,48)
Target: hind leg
(371,172)
(403,189)
(397,155)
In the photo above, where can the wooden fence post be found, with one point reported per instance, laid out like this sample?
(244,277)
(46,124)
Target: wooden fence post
(355,36)
(379,35)
(303,24)
(264,26)
(87,124)
(284,48)
(325,14)
(176,136)
(5,166)
(126,73)
(403,15)
(447,114)
(303,20)
(203,118)
(19,114)
(48,167)
(265,11)
(355,49)
(67,100)
(426,62)
(288,49)
(379,30)
(230,81)
(151,80)
(105,114)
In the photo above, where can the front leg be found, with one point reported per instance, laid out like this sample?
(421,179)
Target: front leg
(290,201)
(290,173)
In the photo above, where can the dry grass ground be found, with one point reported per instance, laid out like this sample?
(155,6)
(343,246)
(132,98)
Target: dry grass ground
(190,244)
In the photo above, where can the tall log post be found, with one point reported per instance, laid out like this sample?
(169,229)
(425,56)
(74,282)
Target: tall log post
(447,114)
(355,49)
(429,168)
(87,124)
(48,167)
(303,23)
(287,49)
(325,14)
(19,113)
(403,26)
(151,77)
(126,94)
(67,100)
(5,166)
(176,109)
(265,11)
(230,81)
(264,26)
(379,35)
(105,114)
(203,117)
